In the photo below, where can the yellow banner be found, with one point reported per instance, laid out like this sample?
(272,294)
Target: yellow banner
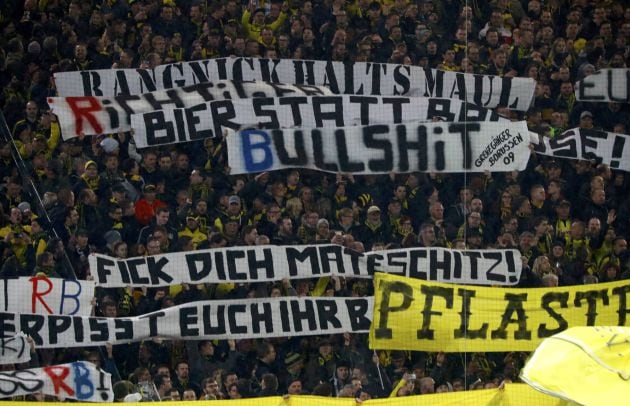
(412,314)
(512,394)
(570,364)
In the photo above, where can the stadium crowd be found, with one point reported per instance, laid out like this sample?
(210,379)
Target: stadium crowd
(570,219)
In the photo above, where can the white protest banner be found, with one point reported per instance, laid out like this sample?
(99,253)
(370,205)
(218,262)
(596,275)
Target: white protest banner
(267,263)
(608,148)
(46,295)
(90,115)
(204,320)
(365,78)
(605,85)
(82,381)
(14,349)
(207,120)
(381,148)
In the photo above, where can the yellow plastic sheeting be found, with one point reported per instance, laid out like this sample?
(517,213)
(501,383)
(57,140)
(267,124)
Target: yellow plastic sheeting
(512,394)
(412,314)
(588,365)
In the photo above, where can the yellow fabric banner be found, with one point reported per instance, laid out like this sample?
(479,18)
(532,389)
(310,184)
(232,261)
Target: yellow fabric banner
(587,365)
(412,314)
(512,394)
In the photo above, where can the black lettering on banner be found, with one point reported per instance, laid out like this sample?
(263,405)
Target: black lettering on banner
(124,272)
(99,330)
(167,75)
(336,115)
(458,89)
(327,312)
(349,76)
(90,84)
(511,266)
(259,103)
(617,151)
(464,130)
(318,152)
(473,266)
(402,79)
(114,121)
(231,257)
(172,100)
(208,328)
(357,309)
(386,290)
(393,264)
(295,103)
(464,330)
(345,165)
(232,311)
(307,255)
(331,254)
(147,80)
(429,293)
(564,146)
(457,265)
(283,155)
(547,299)
(202,89)
(153,318)
(222,112)
(514,305)
(374,261)
(123,329)
(591,297)
(265,316)
(6,345)
(123,102)
(13,381)
(193,120)
(155,267)
(376,77)
(254,264)
(506,90)
(298,315)
(155,122)
(405,146)
(195,274)
(102,268)
(611,86)
(498,259)
(284,316)
(77,324)
(364,102)
(269,74)
(441,108)
(57,324)
(133,265)
(415,264)
(386,163)
(584,85)
(121,84)
(31,325)
(330,78)
(435,265)
(590,144)
(188,321)
(5,290)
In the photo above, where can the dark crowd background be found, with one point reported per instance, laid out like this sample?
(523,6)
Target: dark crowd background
(62,201)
